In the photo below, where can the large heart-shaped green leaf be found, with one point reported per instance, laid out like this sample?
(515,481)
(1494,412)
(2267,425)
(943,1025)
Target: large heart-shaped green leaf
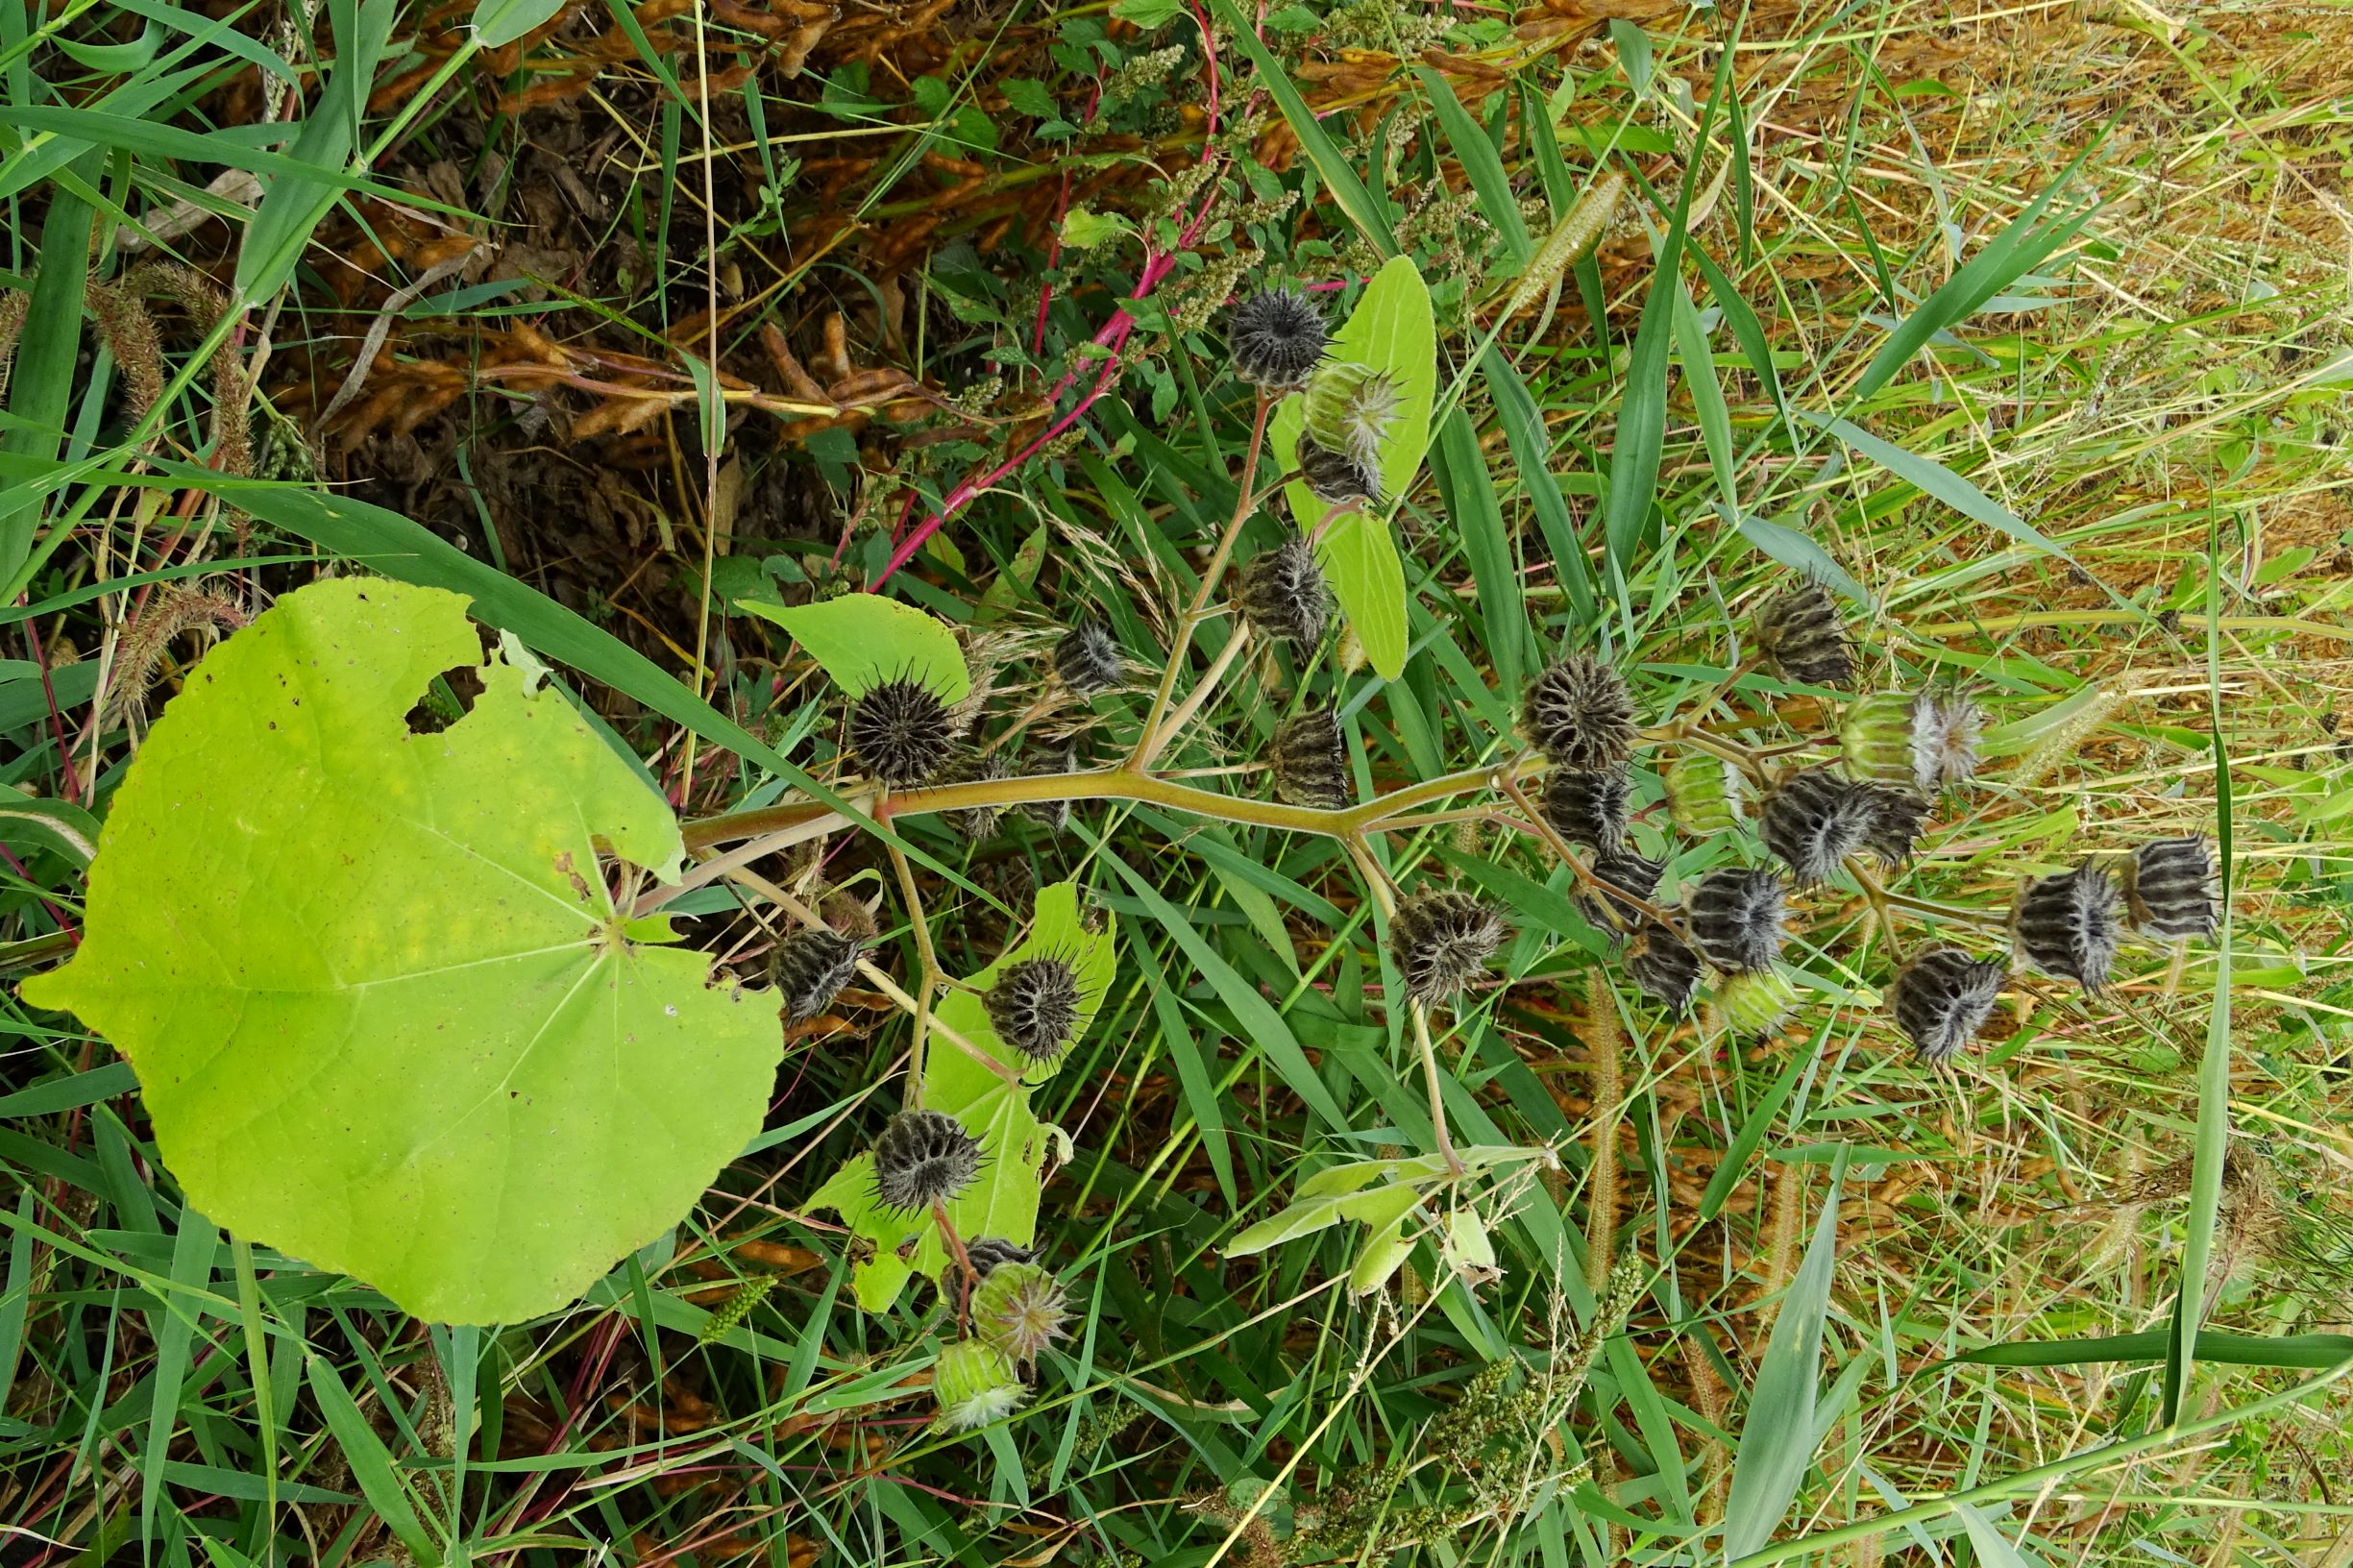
(383,1010)
(862,640)
(1003,1201)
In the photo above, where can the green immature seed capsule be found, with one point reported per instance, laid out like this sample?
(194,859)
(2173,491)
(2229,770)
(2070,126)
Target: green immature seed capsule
(1019,1309)
(1702,796)
(1350,409)
(1876,737)
(1755,1003)
(1918,743)
(975,1383)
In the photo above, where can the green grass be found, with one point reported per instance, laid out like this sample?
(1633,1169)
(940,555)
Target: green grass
(1967,289)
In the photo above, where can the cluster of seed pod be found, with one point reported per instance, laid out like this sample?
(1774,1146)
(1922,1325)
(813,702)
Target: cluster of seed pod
(1899,752)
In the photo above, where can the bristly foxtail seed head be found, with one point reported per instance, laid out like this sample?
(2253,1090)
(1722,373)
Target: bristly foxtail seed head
(2068,926)
(1626,872)
(975,1383)
(1283,595)
(1308,757)
(810,966)
(1276,338)
(2169,887)
(1736,918)
(1942,998)
(1351,409)
(1702,797)
(1663,968)
(1755,1003)
(1442,939)
(1035,1007)
(1336,478)
(902,733)
(1580,715)
(1088,659)
(924,1158)
(1802,633)
(1019,1309)
(1816,818)
(1588,808)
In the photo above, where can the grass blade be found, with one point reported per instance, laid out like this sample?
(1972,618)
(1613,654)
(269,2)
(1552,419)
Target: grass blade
(2313,1352)
(1482,165)
(1933,478)
(1371,217)
(1468,490)
(1777,1437)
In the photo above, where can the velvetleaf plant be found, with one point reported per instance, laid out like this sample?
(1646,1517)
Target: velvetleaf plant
(482,1025)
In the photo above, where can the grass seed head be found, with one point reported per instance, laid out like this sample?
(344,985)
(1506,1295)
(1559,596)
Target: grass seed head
(2067,925)
(924,1158)
(810,966)
(2169,888)
(1588,807)
(1283,595)
(1442,939)
(1035,1007)
(1801,631)
(1942,998)
(1277,337)
(902,733)
(1019,1309)
(1308,757)
(1580,715)
(974,1384)
(1088,659)
(1663,968)
(1737,917)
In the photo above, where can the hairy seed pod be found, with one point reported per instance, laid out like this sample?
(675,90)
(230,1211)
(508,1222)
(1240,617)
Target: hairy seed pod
(1035,1007)
(1442,939)
(1283,595)
(1736,918)
(1580,715)
(1942,998)
(1064,757)
(1587,808)
(1755,1003)
(810,966)
(1019,1309)
(902,733)
(1816,818)
(1308,757)
(1350,409)
(1896,817)
(1625,872)
(2066,925)
(1336,477)
(924,1158)
(991,1252)
(1702,793)
(1663,968)
(1801,631)
(974,1384)
(2169,887)
(1918,743)
(1088,659)
(969,766)
(1276,338)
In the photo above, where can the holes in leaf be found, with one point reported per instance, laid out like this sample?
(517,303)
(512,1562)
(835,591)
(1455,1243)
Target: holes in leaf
(447,698)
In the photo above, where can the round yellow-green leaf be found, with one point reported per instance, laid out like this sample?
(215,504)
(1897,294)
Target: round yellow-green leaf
(862,640)
(383,1013)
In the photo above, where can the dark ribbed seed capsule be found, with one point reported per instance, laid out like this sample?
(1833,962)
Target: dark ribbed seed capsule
(1735,916)
(1308,758)
(1336,477)
(978,823)
(924,1158)
(1088,659)
(1588,807)
(900,734)
(1801,631)
(810,966)
(1663,968)
(1283,595)
(2169,887)
(1816,818)
(1942,998)
(1580,715)
(1628,873)
(2067,927)
(1896,817)
(1442,939)
(1034,1007)
(1064,758)
(1276,338)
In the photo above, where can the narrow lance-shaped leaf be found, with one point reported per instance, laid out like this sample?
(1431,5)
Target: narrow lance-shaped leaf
(1777,1437)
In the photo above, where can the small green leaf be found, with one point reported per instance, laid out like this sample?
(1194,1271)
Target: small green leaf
(501,22)
(381,1008)
(1385,1249)
(1148,14)
(1083,229)
(1468,1246)
(862,640)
